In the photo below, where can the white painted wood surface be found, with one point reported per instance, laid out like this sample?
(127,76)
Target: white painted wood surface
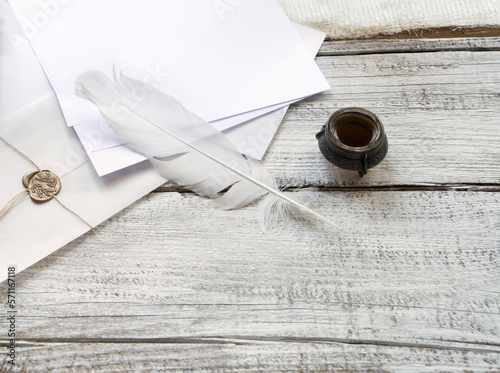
(439,110)
(411,285)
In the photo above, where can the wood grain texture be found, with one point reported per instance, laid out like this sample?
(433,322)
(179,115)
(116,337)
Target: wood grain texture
(248,356)
(440,112)
(411,285)
(402,275)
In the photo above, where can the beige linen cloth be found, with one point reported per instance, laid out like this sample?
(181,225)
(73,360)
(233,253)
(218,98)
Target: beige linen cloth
(358,18)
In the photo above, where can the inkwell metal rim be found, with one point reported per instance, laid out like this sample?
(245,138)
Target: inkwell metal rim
(374,122)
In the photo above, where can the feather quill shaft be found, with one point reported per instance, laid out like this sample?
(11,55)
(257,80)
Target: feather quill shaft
(271,190)
(192,137)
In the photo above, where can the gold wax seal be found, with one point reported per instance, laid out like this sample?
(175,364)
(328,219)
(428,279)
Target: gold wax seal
(42,185)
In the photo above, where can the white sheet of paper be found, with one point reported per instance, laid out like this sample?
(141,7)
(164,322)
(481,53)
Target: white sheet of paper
(253,137)
(219,61)
(21,77)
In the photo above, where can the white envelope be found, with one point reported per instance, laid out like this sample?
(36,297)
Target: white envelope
(30,118)
(216,73)
(30,231)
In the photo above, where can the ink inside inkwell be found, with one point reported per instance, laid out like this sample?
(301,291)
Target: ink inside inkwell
(353,139)
(354,130)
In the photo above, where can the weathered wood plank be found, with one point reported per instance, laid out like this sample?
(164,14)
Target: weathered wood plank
(440,110)
(245,356)
(390,45)
(414,274)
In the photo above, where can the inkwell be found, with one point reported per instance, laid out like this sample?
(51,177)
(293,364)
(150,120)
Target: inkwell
(353,139)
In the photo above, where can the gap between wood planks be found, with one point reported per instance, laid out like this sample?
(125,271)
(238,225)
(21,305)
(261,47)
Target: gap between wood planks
(486,188)
(244,340)
(491,188)
(448,32)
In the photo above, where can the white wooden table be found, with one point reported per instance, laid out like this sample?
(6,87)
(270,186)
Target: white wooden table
(411,285)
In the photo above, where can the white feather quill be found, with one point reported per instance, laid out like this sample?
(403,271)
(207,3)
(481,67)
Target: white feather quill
(183,147)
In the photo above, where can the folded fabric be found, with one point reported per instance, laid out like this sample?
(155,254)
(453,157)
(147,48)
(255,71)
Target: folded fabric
(343,19)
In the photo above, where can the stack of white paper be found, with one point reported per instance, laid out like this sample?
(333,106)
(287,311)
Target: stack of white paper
(231,62)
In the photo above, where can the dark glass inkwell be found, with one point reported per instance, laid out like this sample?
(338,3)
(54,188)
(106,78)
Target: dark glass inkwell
(353,139)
